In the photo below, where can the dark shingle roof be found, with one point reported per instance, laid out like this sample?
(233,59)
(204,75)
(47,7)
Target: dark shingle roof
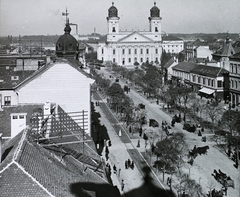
(184,66)
(6,77)
(210,71)
(169,63)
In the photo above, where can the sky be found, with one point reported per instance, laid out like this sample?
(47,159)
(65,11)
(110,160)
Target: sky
(44,17)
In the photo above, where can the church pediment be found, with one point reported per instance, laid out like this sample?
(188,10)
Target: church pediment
(135,37)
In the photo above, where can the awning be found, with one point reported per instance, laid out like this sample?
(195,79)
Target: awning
(206,91)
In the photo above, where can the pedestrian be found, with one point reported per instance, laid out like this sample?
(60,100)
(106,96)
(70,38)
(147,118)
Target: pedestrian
(120,133)
(126,164)
(138,144)
(132,165)
(129,163)
(122,185)
(114,169)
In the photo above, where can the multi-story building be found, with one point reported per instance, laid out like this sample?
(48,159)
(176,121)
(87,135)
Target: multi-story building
(207,80)
(222,54)
(172,44)
(198,49)
(232,80)
(204,79)
(128,47)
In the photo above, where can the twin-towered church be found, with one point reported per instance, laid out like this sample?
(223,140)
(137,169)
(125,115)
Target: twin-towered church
(128,47)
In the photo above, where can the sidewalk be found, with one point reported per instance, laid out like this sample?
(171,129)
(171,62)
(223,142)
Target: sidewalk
(118,154)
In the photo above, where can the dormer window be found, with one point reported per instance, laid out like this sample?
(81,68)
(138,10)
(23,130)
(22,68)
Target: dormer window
(70,46)
(156,29)
(113,29)
(14,78)
(59,46)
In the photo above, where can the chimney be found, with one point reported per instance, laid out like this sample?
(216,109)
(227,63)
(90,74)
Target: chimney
(0,147)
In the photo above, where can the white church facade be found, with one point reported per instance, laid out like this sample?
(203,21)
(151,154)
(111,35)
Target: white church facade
(128,47)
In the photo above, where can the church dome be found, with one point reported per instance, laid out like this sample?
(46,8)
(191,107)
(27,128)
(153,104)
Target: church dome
(155,11)
(112,11)
(67,45)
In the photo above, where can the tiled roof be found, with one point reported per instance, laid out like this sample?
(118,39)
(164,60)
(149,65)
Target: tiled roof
(235,56)
(210,71)
(6,77)
(225,51)
(169,63)
(30,169)
(184,66)
(103,39)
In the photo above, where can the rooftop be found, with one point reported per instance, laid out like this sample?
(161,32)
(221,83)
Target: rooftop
(184,66)
(210,71)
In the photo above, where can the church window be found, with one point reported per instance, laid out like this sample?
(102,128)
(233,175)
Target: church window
(236,84)
(113,29)
(123,51)
(123,61)
(129,51)
(141,51)
(135,59)
(135,51)
(147,51)
(59,46)
(113,51)
(156,29)
(141,59)
(113,59)
(102,51)
(156,51)
(129,60)
(70,46)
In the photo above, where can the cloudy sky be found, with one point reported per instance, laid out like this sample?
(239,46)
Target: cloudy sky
(42,17)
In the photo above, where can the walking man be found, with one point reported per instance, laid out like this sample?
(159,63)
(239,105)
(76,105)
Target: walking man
(122,185)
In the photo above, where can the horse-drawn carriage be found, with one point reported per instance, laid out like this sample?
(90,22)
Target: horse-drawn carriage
(223,179)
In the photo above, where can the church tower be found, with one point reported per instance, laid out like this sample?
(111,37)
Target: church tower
(155,19)
(113,20)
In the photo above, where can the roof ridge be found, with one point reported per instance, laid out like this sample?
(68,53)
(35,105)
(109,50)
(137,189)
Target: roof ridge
(219,71)
(6,166)
(20,143)
(29,175)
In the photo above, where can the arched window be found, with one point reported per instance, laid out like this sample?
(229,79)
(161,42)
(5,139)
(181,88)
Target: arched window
(156,29)
(113,29)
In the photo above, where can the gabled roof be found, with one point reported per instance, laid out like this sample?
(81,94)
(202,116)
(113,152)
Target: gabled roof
(225,51)
(169,63)
(135,34)
(184,66)
(71,62)
(103,39)
(28,169)
(235,56)
(209,71)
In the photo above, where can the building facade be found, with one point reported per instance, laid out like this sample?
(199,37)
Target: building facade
(128,47)
(232,80)
(172,44)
